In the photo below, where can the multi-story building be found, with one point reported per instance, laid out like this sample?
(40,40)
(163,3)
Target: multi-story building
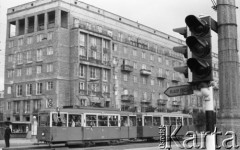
(65,52)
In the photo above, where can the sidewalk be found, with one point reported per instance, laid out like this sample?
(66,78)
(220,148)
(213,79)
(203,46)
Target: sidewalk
(14,142)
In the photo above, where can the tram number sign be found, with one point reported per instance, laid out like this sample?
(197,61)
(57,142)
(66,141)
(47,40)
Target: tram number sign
(179,90)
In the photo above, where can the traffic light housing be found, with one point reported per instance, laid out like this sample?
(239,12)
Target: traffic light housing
(200,46)
(184,50)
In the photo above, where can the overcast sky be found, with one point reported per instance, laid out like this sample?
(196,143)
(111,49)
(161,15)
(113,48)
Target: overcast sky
(163,15)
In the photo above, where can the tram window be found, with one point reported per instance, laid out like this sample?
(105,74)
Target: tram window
(185,121)
(113,120)
(102,120)
(179,121)
(156,121)
(124,121)
(132,120)
(91,120)
(147,120)
(190,121)
(59,121)
(166,121)
(74,120)
(44,120)
(173,120)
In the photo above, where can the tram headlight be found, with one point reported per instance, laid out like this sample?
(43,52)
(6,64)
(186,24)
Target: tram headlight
(43,134)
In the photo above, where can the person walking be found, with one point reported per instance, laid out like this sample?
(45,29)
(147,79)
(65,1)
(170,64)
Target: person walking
(7,135)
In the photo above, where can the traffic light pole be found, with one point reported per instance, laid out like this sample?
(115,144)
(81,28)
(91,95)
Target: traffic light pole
(210,120)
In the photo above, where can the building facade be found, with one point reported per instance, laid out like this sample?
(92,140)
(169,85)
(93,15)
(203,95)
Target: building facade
(65,52)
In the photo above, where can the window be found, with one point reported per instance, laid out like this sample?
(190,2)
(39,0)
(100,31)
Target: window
(114,47)
(49,50)
(30,24)
(19,72)
(19,90)
(151,57)
(167,62)
(82,51)
(29,71)
(12,29)
(49,35)
(39,69)
(102,120)
(144,66)
(40,20)
(16,106)
(10,44)
(99,28)
(27,106)
(64,19)
(20,42)
(39,88)
(106,44)
(40,37)
(113,120)
(160,59)
(10,73)
(9,89)
(144,79)
(152,81)
(29,56)
(8,105)
(50,67)
(81,86)
(93,73)
(19,58)
(105,75)
(91,120)
(36,105)
(93,41)
(105,88)
(82,39)
(39,55)
(120,36)
(81,71)
(134,79)
(144,95)
(135,94)
(28,89)
(134,52)
(49,85)
(74,120)
(135,65)
(125,77)
(125,50)
(29,40)
(143,55)
(10,58)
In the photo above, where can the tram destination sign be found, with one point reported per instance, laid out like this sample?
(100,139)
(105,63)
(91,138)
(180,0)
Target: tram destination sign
(179,90)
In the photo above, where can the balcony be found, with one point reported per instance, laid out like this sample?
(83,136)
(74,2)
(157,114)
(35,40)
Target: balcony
(30,29)
(40,27)
(51,25)
(83,92)
(16,113)
(145,72)
(161,76)
(26,112)
(94,60)
(161,102)
(127,68)
(106,50)
(145,101)
(107,63)
(35,110)
(127,98)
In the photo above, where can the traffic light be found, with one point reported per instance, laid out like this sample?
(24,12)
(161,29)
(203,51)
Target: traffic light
(184,50)
(200,46)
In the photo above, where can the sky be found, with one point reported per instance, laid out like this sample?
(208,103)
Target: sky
(162,15)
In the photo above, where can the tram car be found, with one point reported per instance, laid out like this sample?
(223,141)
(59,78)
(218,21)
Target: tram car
(92,125)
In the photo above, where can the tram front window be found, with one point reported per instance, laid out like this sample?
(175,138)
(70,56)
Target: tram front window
(59,121)
(44,120)
(74,120)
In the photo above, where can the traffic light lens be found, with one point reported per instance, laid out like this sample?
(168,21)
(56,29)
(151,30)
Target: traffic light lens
(199,48)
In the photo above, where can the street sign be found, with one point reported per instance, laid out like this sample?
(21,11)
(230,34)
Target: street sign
(179,90)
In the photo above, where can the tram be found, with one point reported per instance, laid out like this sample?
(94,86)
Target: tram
(88,125)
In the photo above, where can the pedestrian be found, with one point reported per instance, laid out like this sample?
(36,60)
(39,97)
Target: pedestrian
(7,135)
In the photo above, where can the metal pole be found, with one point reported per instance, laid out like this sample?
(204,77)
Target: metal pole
(229,94)
(210,120)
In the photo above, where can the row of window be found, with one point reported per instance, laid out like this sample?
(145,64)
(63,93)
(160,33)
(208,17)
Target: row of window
(29,55)
(26,106)
(29,88)
(93,87)
(39,38)
(94,72)
(29,70)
